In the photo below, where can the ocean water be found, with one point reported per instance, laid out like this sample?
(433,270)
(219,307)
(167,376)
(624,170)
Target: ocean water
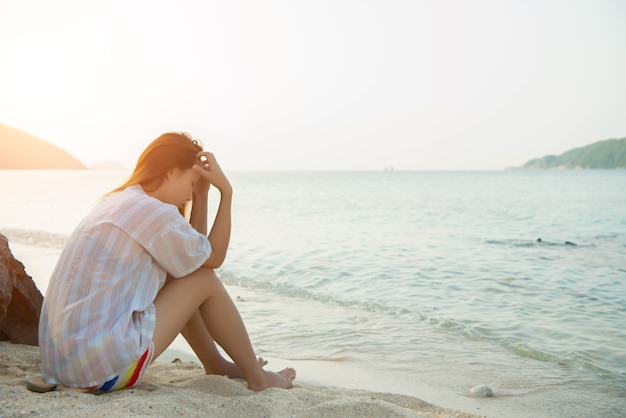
(513,279)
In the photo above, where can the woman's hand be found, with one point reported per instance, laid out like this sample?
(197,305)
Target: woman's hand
(210,173)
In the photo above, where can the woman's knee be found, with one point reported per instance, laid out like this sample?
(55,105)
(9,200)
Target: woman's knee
(196,284)
(209,276)
(205,279)
(206,274)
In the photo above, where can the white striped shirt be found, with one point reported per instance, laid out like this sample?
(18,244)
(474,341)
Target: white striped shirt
(98,314)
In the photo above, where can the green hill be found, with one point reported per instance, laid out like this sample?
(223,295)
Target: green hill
(603,154)
(20,150)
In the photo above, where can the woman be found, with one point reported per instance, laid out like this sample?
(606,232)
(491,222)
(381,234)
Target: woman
(135,274)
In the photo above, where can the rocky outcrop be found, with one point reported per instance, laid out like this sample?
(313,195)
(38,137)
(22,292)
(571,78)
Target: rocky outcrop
(20,300)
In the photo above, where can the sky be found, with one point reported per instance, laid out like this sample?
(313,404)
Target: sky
(318,85)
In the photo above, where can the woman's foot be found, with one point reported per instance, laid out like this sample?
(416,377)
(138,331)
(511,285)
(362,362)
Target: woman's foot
(283,379)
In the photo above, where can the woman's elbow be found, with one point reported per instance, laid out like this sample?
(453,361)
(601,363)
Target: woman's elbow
(212,265)
(214,261)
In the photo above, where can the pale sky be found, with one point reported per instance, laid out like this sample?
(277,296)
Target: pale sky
(341,84)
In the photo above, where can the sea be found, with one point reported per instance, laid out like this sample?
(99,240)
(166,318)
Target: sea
(424,283)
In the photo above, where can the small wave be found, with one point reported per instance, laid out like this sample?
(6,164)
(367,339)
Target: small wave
(539,242)
(511,242)
(292,291)
(338,359)
(36,238)
(570,360)
(524,350)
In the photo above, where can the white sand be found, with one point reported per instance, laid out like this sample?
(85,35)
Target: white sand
(182,389)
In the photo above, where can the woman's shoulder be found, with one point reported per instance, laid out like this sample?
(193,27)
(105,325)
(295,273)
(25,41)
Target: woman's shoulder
(135,194)
(134,203)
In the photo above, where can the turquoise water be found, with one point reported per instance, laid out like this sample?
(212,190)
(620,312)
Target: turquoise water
(452,252)
(439,276)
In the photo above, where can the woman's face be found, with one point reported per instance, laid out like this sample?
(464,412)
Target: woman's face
(177,188)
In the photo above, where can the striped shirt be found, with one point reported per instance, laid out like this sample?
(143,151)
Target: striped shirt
(98,315)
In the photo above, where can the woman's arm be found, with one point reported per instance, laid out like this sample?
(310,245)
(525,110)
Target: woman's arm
(219,236)
(199,211)
(220,231)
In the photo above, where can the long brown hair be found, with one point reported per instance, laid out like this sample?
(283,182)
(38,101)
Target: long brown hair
(170,150)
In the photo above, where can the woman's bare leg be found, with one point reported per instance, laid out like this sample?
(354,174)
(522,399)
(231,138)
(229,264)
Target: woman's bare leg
(201,342)
(202,291)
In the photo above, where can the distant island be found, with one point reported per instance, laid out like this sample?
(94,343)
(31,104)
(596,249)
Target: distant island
(21,150)
(607,154)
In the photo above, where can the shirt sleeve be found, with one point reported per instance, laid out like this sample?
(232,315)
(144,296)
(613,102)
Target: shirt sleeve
(179,249)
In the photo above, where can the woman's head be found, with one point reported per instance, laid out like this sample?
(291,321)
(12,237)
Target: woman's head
(172,150)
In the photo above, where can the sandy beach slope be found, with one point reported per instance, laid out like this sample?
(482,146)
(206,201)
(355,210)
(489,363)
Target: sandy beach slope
(182,389)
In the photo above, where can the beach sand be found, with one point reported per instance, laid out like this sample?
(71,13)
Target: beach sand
(180,388)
